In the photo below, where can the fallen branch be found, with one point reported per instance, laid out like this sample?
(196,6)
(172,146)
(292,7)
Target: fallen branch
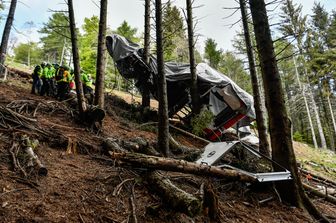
(319,178)
(160,163)
(318,193)
(35,161)
(173,196)
(11,151)
(189,134)
(133,217)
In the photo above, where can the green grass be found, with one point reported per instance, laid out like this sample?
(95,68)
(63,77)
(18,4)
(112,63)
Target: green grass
(321,161)
(16,65)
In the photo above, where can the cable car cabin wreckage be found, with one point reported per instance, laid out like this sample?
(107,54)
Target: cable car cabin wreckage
(230,105)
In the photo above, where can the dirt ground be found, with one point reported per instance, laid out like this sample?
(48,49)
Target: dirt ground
(90,188)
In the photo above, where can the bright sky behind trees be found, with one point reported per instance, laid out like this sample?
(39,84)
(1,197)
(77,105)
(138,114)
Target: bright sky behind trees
(213,22)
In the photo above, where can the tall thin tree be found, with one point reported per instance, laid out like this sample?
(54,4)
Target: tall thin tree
(293,23)
(79,87)
(100,66)
(145,92)
(5,35)
(280,125)
(163,126)
(195,97)
(261,122)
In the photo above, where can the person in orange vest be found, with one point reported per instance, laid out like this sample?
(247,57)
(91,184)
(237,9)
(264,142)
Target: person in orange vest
(63,79)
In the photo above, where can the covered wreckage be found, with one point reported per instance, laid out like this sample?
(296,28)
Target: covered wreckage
(227,101)
(230,104)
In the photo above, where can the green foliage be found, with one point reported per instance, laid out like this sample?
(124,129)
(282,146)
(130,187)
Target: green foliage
(297,136)
(22,51)
(128,32)
(212,53)
(88,45)
(201,121)
(175,42)
(55,32)
(233,67)
(331,32)
(292,22)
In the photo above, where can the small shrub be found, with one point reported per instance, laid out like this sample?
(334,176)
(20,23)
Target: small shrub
(297,137)
(201,121)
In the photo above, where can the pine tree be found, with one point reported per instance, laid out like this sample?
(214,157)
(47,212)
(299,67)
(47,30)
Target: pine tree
(212,53)
(56,29)
(163,126)
(195,97)
(76,62)
(294,24)
(145,93)
(101,56)
(261,123)
(280,126)
(174,39)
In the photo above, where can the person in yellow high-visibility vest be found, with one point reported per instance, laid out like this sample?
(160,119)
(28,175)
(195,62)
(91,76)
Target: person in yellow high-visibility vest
(44,77)
(87,86)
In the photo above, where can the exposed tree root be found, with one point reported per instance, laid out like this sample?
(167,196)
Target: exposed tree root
(173,196)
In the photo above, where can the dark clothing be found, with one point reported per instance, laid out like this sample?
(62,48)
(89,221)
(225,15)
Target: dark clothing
(63,90)
(45,87)
(88,93)
(37,83)
(52,87)
(36,87)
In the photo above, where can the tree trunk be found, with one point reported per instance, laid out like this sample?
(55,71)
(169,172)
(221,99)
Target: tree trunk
(331,112)
(195,97)
(79,87)
(163,131)
(306,103)
(5,36)
(327,120)
(173,196)
(280,126)
(168,164)
(146,94)
(261,122)
(101,57)
(318,120)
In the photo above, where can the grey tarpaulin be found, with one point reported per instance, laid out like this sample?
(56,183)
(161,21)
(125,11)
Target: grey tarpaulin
(232,95)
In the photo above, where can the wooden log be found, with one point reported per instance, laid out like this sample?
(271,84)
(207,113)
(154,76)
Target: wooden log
(189,154)
(35,161)
(160,163)
(321,179)
(318,193)
(172,196)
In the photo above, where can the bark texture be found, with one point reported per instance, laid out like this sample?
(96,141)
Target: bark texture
(261,122)
(101,53)
(195,97)
(74,42)
(173,196)
(168,164)
(5,35)
(146,94)
(280,125)
(163,131)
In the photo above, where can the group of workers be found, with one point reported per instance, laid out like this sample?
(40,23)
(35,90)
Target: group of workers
(58,81)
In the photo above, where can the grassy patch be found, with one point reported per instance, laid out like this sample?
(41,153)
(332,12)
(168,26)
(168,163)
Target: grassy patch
(317,160)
